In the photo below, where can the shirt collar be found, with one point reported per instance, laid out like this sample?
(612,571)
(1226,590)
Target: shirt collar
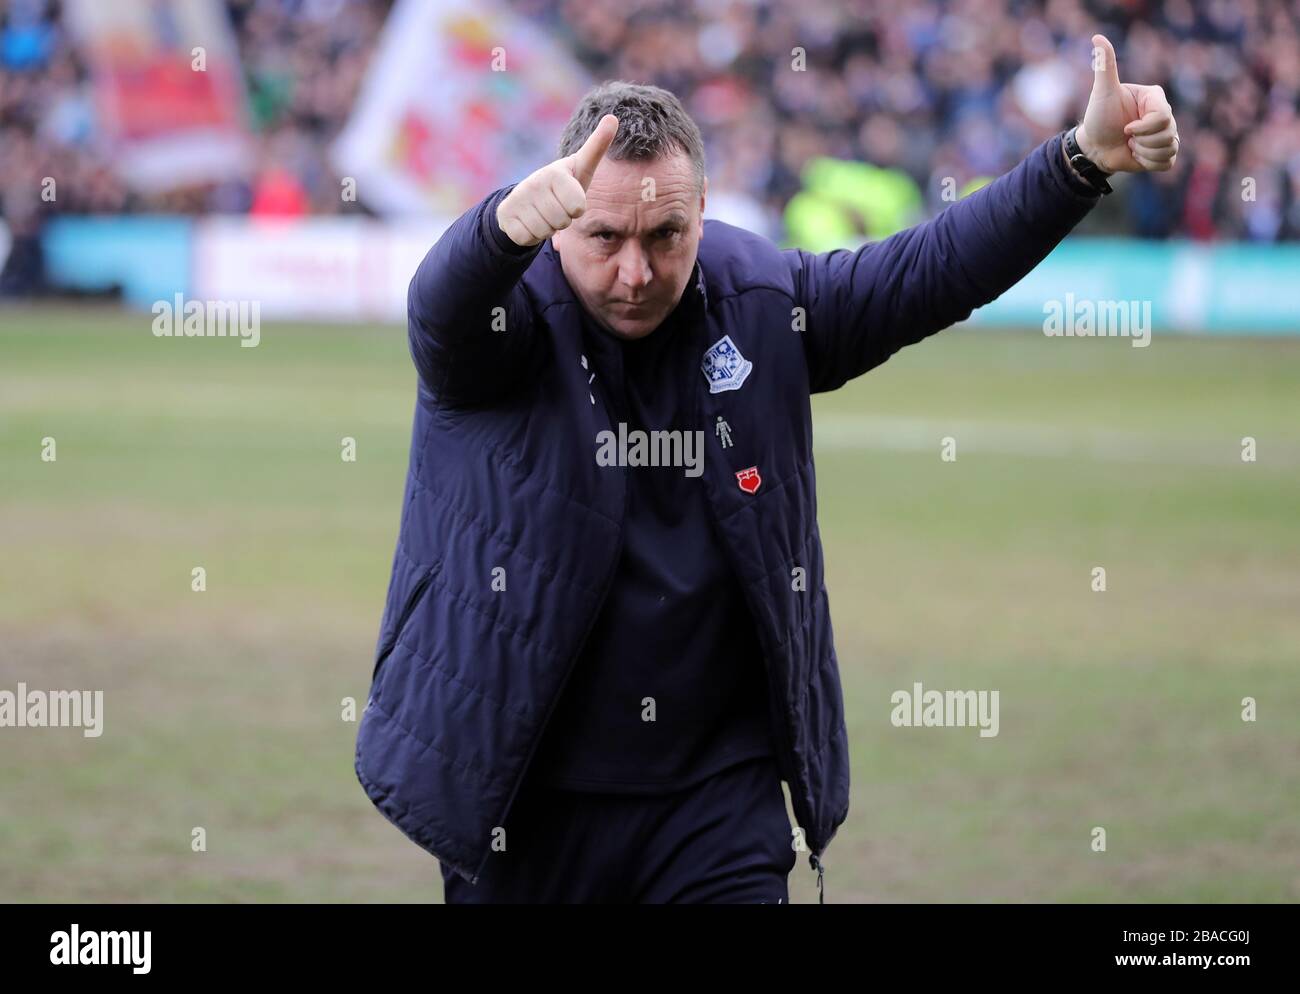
(699,285)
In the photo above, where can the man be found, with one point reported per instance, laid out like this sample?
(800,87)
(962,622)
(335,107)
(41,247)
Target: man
(607,637)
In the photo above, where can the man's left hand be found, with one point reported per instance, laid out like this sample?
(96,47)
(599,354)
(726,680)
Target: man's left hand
(1127,128)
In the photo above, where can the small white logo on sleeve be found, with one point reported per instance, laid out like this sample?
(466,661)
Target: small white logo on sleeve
(724,367)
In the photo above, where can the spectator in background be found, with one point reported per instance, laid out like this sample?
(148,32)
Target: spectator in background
(278,193)
(1202,198)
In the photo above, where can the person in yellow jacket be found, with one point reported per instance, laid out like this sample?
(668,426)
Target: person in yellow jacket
(842,204)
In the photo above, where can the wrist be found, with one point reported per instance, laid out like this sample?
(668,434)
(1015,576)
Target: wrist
(1089,150)
(1082,167)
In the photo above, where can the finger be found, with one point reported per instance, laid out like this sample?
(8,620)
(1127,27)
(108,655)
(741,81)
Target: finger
(1152,165)
(569,192)
(517,233)
(587,158)
(552,211)
(1151,122)
(534,222)
(1161,139)
(1158,154)
(1105,69)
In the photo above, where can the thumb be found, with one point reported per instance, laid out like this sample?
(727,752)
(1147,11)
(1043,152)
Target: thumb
(586,159)
(1105,69)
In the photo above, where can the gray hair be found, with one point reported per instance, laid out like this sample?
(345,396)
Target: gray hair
(651,123)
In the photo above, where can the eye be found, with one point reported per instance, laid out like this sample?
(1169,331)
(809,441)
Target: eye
(666,232)
(604,236)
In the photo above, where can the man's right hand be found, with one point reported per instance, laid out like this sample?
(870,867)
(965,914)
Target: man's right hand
(552,197)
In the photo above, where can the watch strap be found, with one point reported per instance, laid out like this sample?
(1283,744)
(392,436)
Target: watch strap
(1085,167)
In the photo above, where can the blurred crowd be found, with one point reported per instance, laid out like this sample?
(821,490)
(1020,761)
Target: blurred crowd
(935,93)
(961,89)
(302,63)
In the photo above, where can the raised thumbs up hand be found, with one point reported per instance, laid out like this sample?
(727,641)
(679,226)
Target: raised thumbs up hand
(552,197)
(1127,128)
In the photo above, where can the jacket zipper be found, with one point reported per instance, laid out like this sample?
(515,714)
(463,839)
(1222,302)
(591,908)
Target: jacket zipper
(573,661)
(537,739)
(782,728)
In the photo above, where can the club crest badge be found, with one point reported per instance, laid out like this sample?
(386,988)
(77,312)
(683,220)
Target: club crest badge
(749,479)
(724,367)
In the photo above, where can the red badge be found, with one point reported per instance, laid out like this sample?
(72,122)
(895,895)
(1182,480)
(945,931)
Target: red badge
(749,479)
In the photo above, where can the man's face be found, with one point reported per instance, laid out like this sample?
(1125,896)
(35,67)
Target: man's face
(630,255)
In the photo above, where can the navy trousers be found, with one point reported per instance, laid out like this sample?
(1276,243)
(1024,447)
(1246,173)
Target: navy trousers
(725,840)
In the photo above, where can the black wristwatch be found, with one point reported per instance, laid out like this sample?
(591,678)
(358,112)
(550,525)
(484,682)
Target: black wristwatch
(1084,166)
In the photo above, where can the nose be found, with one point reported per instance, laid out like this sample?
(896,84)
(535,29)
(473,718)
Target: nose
(633,266)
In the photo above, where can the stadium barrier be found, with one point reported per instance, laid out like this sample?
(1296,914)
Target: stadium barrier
(350,269)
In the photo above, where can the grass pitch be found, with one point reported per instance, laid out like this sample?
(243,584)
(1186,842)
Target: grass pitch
(1119,709)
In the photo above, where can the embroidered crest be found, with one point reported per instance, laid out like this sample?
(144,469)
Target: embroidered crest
(724,367)
(749,479)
